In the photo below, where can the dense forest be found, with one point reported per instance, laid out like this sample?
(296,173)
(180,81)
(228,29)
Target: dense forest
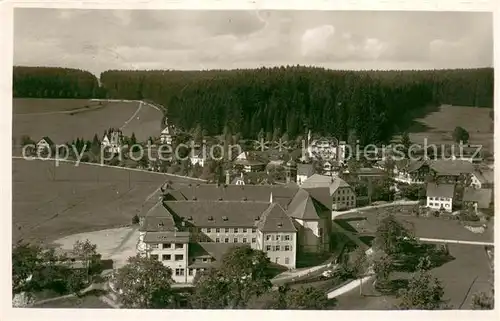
(48,82)
(367,105)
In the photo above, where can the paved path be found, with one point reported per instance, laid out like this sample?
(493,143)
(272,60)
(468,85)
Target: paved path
(424,239)
(361,209)
(132,117)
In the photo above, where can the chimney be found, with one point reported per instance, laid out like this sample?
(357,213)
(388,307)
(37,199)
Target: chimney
(228,178)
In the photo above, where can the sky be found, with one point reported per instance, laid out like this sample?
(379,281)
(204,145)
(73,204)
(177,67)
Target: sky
(99,40)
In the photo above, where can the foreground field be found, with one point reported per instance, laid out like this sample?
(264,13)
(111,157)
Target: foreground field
(462,277)
(51,202)
(438,126)
(67,119)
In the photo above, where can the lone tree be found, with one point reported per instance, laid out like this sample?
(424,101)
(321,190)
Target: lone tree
(87,253)
(424,292)
(244,273)
(144,283)
(460,135)
(391,236)
(383,265)
(406,142)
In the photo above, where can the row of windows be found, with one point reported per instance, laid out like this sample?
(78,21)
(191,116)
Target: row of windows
(164,246)
(228,230)
(438,204)
(276,248)
(345,198)
(344,191)
(168,257)
(278,237)
(235,240)
(191,272)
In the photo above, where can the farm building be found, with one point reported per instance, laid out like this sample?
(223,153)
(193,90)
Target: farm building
(440,196)
(44,145)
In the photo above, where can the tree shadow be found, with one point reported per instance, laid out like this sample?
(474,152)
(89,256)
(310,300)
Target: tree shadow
(392,286)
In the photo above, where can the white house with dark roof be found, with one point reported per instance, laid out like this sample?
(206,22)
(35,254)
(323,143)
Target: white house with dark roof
(250,162)
(440,196)
(112,142)
(44,145)
(304,171)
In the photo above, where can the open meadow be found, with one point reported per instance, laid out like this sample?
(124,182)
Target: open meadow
(51,202)
(462,277)
(438,126)
(63,120)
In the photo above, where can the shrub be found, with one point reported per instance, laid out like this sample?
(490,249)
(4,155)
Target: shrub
(135,219)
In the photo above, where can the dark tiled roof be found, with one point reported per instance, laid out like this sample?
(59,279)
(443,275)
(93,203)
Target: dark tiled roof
(452,167)
(170,237)
(275,219)
(302,206)
(253,193)
(482,196)
(158,219)
(322,195)
(440,190)
(305,169)
(218,213)
(48,140)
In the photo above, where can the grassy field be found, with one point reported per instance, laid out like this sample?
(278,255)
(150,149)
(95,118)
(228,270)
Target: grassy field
(52,202)
(438,126)
(66,119)
(425,227)
(462,277)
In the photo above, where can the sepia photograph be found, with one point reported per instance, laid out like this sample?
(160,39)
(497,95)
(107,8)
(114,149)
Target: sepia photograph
(252,159)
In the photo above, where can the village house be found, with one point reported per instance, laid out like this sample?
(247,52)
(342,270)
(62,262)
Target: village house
(411,172)
(440,196)
(249,162)
(194,226)
(305,170)
(198,156)
(44,145)
(482,178)
(451,171)
(479,199)
(167,135)
(343,196)
(112,142)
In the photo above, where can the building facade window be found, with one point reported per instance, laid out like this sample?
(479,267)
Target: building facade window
(227,230)
(244,240)
(268,237)
(217,230)
(179,272)
(166,257)
(268,248)
(287,247)
(287,237)
(276,247)
(235,240)
(179,246)
(217,240)
(244,230)
(190,271)
(154,246)
(179,257)
(166,245)
(253,240)
(254,230)
(226,240)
